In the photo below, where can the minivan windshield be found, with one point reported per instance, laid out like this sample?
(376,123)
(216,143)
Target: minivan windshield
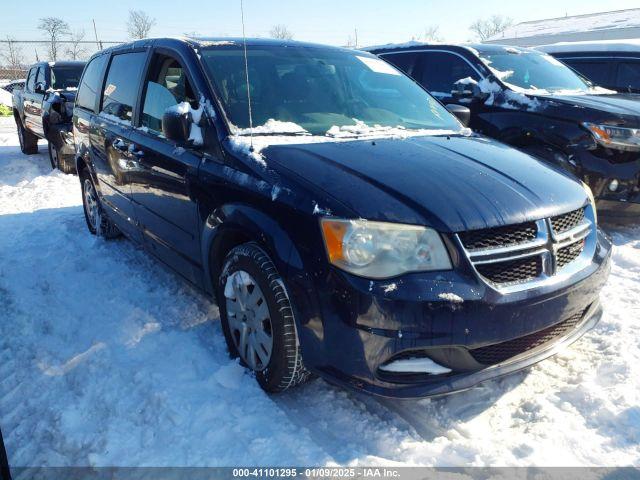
(319,90)
(67,77)
(534,71)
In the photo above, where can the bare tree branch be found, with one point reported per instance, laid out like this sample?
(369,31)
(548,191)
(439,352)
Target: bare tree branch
(485,29)
(13,57)
(139,24)
(432,34)
(55,29)
(75,50)
(281,31)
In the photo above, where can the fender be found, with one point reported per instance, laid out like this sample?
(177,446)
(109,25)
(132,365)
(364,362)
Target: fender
(235,223)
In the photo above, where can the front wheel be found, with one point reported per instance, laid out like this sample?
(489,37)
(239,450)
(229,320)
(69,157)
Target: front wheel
(58,161)
(257,319)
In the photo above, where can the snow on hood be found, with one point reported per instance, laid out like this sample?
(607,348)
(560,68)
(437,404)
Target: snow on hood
(272,127)
(274,132)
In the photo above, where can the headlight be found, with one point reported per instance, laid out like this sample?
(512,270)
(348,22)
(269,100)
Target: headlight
(383,250)
(592,199)
(615,137)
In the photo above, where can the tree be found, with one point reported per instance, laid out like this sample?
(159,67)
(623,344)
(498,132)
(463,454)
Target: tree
(280,31)
(76,50)
(432,34)
(13,57)
(485,29)
(139,24)
(55,29)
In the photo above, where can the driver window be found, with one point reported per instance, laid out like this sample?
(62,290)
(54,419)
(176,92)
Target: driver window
(167,85)
(441,70)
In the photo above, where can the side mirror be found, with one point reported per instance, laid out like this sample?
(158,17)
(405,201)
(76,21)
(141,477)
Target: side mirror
(40,87)
(461,112)
(467,91)
(176,124)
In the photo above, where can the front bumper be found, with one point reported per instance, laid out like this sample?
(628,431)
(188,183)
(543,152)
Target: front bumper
(599,171)
(445,316)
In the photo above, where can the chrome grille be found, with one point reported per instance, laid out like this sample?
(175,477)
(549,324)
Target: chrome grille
(564,223)
(512,271)
(568,254)
(499,237)
(519,256)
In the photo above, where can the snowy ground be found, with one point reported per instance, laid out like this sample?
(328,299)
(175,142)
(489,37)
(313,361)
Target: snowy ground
(107,359)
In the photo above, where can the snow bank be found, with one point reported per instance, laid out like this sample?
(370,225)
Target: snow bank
(143,377)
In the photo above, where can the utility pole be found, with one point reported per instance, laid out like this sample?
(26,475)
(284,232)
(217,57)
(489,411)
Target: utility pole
(356,36)
(95,32)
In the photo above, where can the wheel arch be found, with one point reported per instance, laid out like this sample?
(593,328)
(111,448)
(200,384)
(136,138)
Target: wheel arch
(234,224)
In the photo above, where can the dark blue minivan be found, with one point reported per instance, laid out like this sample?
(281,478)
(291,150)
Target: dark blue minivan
(345,222)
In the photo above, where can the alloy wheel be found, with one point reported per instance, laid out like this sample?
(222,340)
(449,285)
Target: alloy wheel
(249,319)
(91,203)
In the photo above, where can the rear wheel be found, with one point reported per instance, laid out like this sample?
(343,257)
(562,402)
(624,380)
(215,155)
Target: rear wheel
(28,141)
(257,319)
(97,222)
(54,156)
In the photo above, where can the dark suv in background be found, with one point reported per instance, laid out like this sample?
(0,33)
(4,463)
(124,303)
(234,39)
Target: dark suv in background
(344,221)
(613,64)
(532,101)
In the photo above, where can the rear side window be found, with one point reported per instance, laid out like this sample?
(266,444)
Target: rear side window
(441,70)
(629,76)
(598,71)
(404,61)
(121,85)
(91,83)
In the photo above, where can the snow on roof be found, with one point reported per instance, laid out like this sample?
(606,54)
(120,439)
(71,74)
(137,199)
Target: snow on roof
(631,45)
(578,23)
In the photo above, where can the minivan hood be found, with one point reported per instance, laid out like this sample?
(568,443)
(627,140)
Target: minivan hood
(451,183)
(622,107)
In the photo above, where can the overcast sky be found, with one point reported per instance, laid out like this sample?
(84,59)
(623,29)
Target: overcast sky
(326,21)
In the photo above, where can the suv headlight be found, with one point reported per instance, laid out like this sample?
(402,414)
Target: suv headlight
(615,137)
(383,250)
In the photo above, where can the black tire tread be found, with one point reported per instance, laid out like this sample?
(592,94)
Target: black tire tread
(295,372)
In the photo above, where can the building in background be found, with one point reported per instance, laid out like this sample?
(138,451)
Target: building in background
(616,25)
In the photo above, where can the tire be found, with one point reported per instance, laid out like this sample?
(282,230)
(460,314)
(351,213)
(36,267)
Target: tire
(98,222)
(28,141)
(54,156)
(266,314)
(59,161)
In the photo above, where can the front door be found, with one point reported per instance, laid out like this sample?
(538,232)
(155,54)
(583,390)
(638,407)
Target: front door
(162,190)
(33,101)
(114,162)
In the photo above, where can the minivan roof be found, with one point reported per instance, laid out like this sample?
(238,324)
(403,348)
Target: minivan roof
(203,42)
